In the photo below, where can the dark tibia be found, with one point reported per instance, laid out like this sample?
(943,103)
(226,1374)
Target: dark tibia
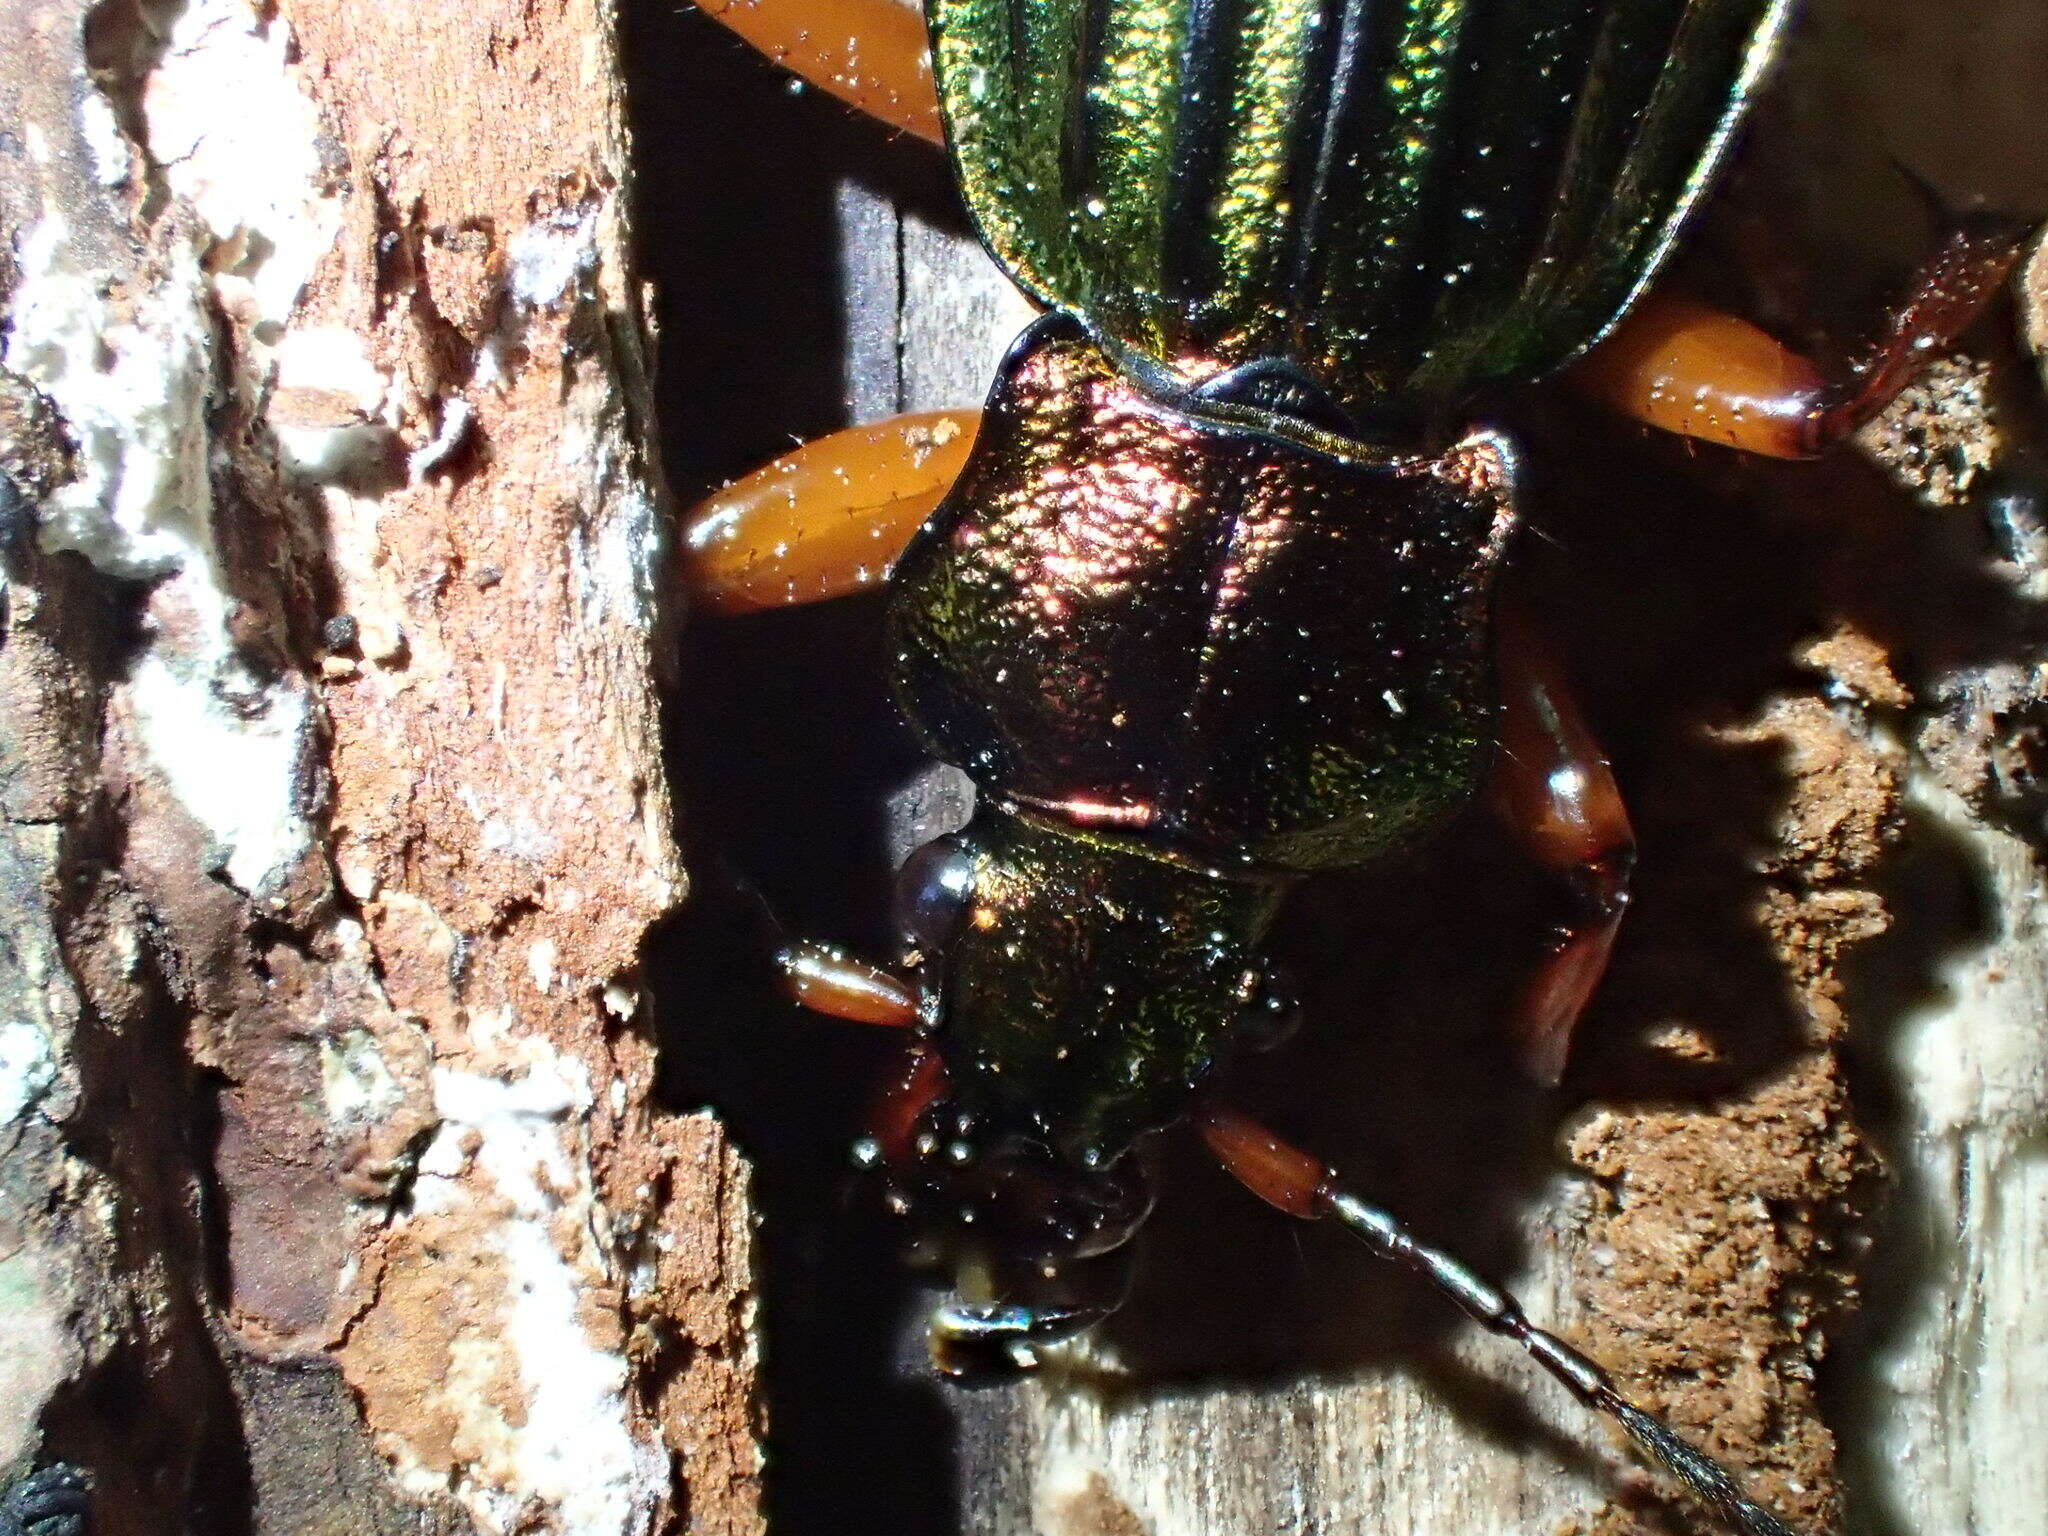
(917,1084)
(1295,1182)
(1948,293)
(49,1502)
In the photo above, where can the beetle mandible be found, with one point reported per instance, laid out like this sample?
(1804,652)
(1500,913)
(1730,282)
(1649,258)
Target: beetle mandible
(1203,601)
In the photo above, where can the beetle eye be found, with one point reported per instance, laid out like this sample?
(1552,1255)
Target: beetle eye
(931,894)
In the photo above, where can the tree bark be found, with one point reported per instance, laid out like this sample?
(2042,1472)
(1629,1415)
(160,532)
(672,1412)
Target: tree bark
(336,1195)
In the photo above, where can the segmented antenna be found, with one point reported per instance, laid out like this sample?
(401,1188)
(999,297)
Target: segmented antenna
(1498,1312)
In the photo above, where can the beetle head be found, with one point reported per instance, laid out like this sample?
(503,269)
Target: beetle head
(1036,1245)
(1078,994)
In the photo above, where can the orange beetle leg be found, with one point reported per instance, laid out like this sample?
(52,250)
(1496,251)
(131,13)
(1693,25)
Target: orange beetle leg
(1680,365)
(826,981)
(871,54)
(826,520)
(1675,363)
(1555,790)
(1283,1176)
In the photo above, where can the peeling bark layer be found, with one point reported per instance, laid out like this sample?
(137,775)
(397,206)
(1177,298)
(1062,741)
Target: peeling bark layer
(336,1193)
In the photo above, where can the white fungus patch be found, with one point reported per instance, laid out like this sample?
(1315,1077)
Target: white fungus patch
(344,453)
(551,255)
(547,261)
(328,358)
(239,141)
(131,369)
(517,834)
(540,964)
(457,417)
(235,137)
(132,387)
(27,1069)
(488,371)
(131,383)
(237,769)
(617,579)
(331,411)
(629,553)
(355,1083)
(112,162)
(573,1449)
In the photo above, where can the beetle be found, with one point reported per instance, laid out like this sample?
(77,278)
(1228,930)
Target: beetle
(1203,599)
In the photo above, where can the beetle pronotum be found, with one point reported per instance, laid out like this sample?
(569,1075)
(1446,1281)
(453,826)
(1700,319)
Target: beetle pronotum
(1207,604)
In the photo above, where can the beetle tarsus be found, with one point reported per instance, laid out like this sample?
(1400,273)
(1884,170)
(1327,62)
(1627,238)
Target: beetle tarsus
(1705,1478)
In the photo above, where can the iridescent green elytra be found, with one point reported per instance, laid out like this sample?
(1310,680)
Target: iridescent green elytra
(1415,200)
(1209,606)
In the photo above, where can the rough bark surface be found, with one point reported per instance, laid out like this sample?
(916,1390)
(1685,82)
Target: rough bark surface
(336,1196)
(1787,1192)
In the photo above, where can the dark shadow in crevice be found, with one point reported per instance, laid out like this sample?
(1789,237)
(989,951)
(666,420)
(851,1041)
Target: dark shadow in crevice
(156,1419)
(785,748)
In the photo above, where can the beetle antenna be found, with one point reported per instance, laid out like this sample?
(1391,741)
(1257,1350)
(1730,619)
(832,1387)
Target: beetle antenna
(1498,1312)
(1301,1185)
